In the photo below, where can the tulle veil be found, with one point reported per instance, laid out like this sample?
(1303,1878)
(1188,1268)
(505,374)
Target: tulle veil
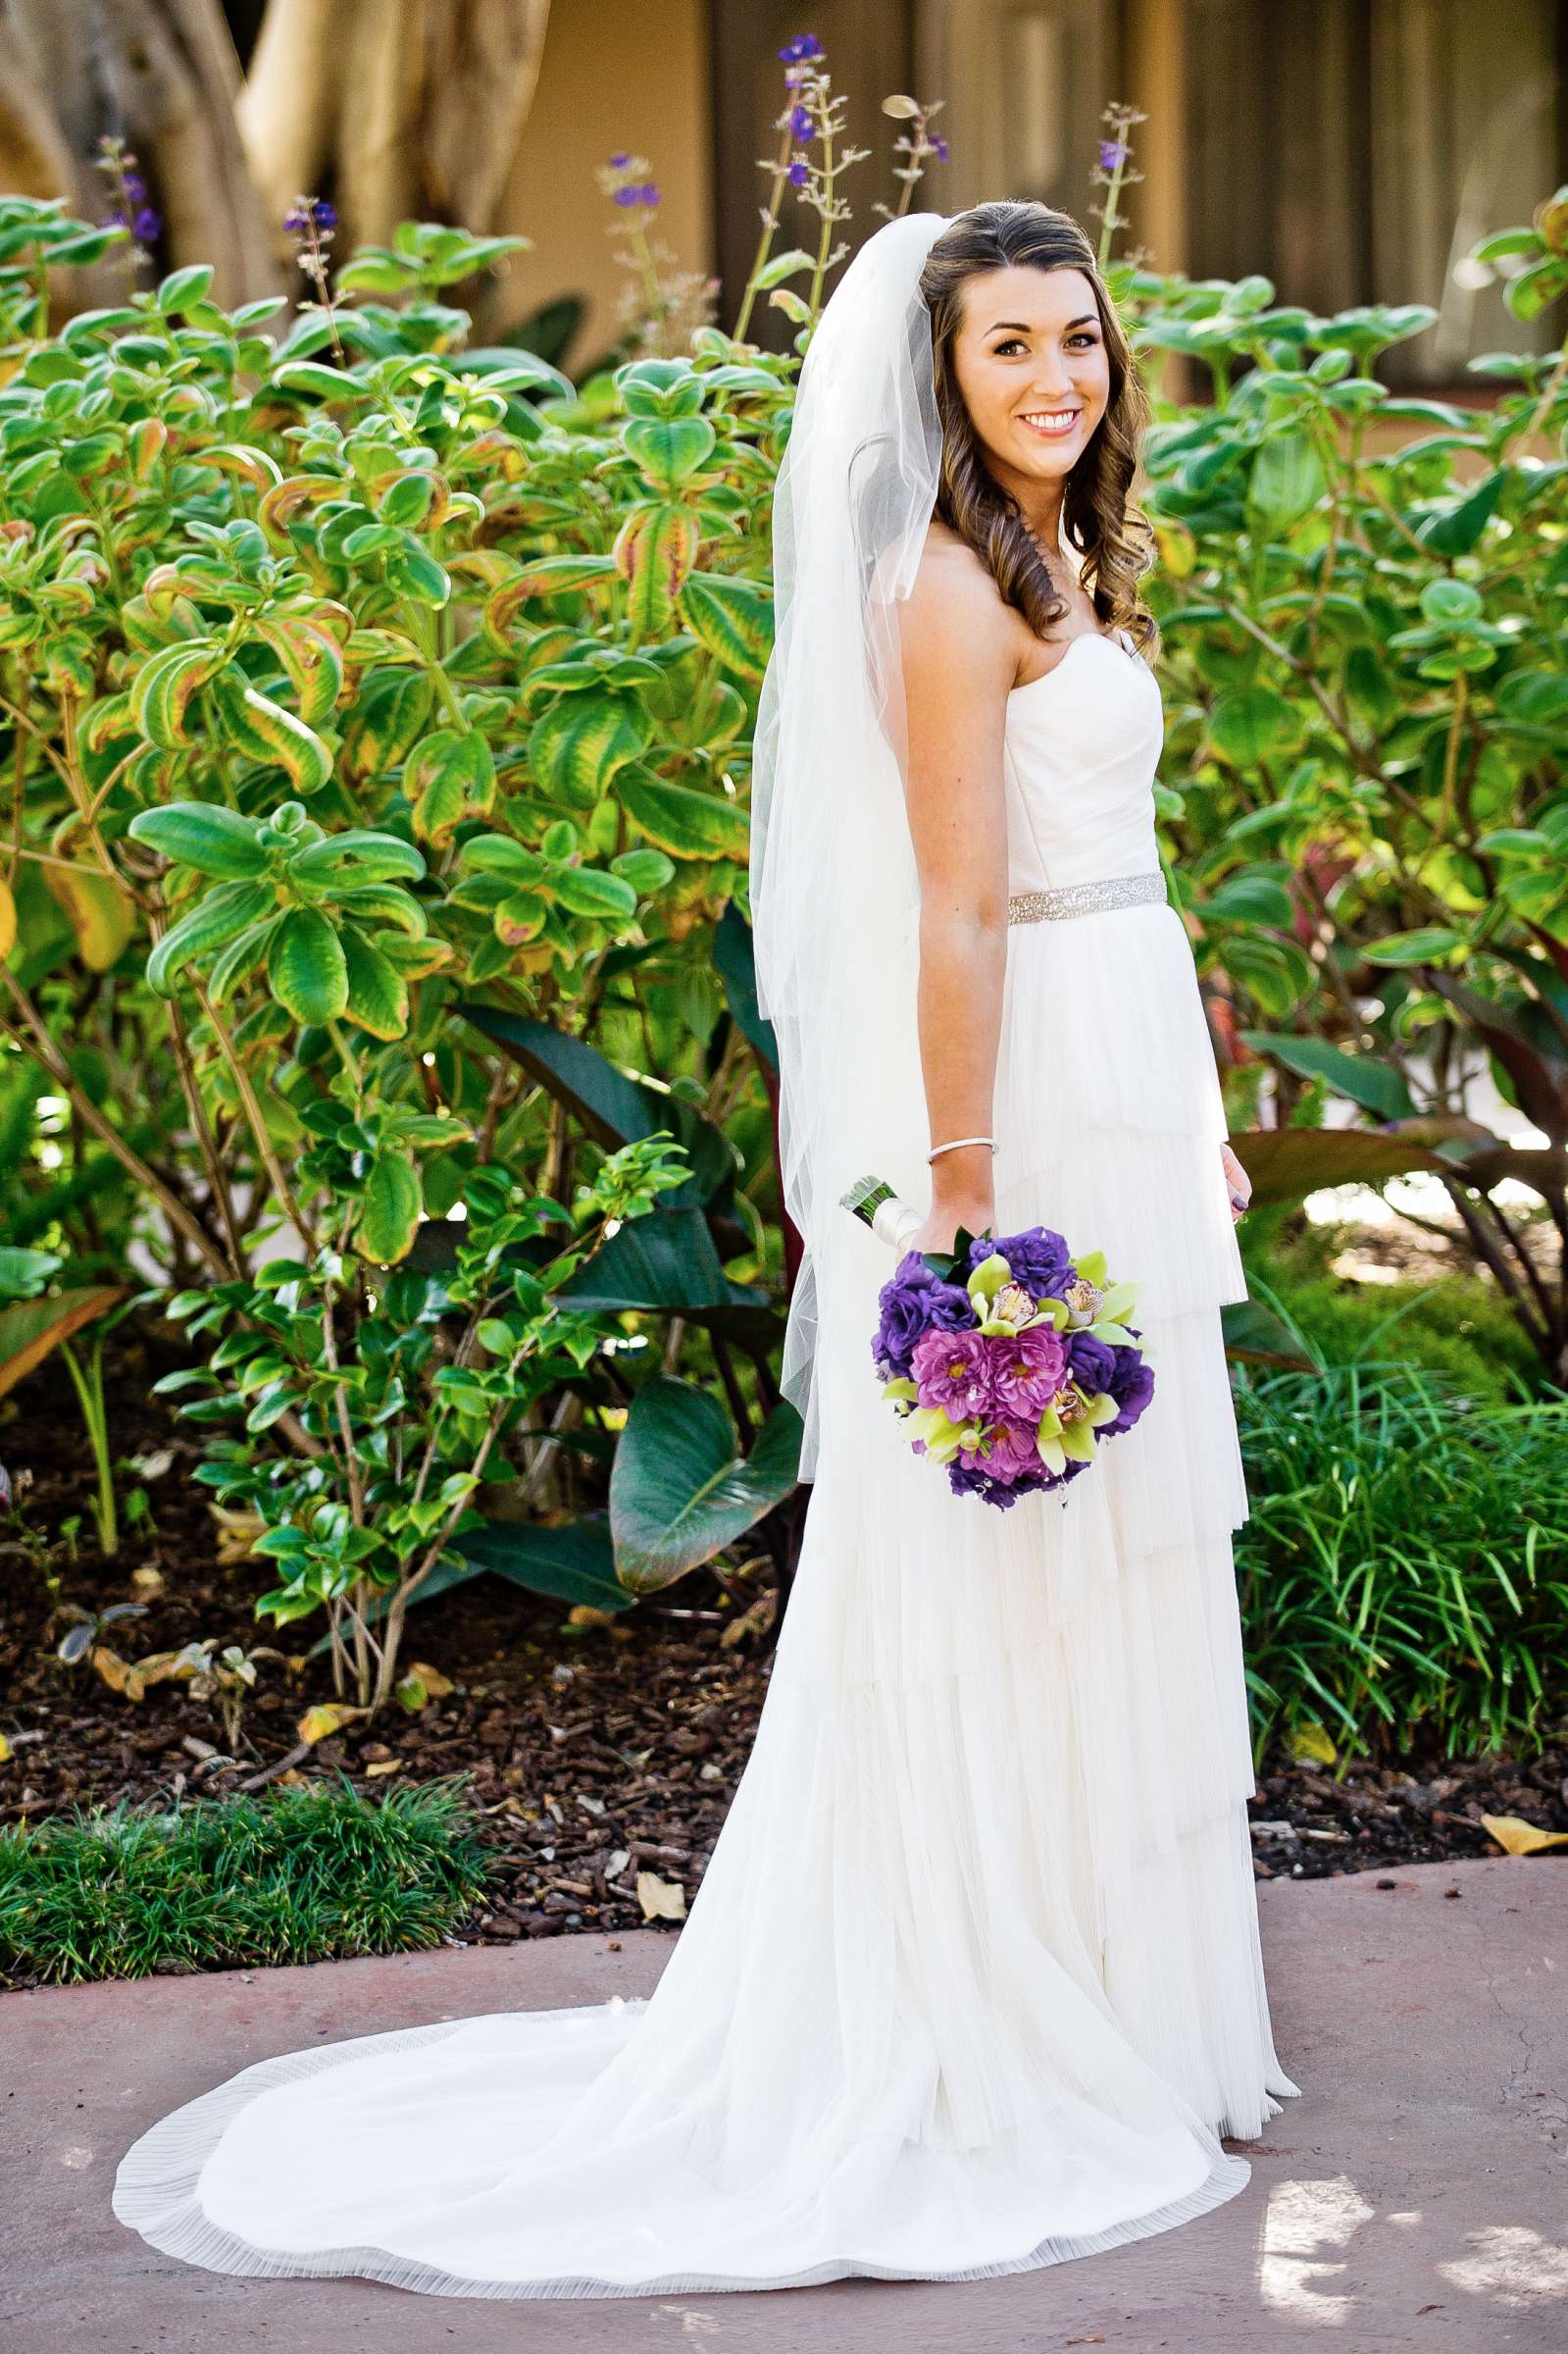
(834,889)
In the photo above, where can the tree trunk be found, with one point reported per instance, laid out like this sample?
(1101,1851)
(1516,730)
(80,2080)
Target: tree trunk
(393,109)
(164,77)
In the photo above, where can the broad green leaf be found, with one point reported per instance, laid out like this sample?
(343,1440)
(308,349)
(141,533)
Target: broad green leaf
(655,553)
(30,1328)
(1286,1163)
(590,890)
(680,1492)
(670,449)
(572,1562)
(1415,947)
(1376,1086)
(313,661)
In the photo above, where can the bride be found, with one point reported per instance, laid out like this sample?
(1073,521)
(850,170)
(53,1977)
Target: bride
(973,1982)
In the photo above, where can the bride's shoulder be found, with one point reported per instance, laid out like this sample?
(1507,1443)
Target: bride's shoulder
(954,614)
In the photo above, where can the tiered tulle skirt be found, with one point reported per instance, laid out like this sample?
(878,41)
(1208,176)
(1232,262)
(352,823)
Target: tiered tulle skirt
(973,1983)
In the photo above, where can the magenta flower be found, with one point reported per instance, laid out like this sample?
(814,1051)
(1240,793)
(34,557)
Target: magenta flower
(1027,1369)
(1009,1453)
(952,1370)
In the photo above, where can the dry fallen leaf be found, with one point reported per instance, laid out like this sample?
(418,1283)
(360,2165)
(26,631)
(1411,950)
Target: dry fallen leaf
(147,1582)
(661,1900)
(1312,1745)
(1521,1838)
(236,1534)
(328,1718)
(384,1766)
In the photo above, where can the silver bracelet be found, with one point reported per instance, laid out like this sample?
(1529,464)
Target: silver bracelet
(953,1144)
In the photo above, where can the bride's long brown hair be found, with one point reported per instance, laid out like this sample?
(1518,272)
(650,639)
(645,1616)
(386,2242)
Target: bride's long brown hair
(1117,538)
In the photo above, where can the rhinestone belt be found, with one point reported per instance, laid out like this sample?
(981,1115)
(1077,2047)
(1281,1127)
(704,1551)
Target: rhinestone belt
(1084,899)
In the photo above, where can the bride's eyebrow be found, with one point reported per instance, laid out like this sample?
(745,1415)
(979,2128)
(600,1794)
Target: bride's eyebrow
(1016,327)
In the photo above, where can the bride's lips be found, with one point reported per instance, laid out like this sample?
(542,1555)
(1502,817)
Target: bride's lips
(1033,423)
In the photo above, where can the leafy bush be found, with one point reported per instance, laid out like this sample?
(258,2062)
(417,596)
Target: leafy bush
(301,1875)
(1367,698)
(1404,1569)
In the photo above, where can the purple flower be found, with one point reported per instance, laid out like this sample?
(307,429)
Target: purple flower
(798,173)
(800,122)
(802,50)
(1091,1363)
(1038,1259)
(1112,153)
(649,191)
(1027,1371)
(1131,1385)
(146,226)
(619,162)
(625,197)
(1008,1454)
(938,147)
(913,1301)
(952,1370)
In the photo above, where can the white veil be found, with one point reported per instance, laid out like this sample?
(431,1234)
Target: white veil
(835,893)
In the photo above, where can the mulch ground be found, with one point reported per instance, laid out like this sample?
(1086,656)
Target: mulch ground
(597,1754)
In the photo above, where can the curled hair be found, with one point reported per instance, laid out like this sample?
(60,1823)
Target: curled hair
(1117,538)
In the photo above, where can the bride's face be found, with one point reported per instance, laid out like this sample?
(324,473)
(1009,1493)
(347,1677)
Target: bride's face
(1030,360)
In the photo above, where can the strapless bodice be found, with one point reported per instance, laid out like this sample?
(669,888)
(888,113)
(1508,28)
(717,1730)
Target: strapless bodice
(1081,747)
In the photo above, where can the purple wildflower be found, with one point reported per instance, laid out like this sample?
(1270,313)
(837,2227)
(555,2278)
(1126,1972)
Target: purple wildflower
(800,122)
(798,173)
(619,162)
(803,50)
(649,191)
(1112,153)
(939,147)
(625,198)
(146,226)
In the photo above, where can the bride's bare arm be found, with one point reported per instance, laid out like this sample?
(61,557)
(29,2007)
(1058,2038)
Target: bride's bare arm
(959,662)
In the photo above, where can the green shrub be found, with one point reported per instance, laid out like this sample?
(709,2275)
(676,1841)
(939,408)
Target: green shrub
(308,1874)
(1404,1570)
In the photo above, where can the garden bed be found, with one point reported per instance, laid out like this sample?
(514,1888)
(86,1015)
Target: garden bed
(595,1753)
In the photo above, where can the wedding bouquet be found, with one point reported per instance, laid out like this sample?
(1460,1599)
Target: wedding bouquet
(1009,1359)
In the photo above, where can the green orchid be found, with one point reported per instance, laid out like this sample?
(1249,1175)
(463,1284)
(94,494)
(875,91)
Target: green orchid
(1072,1437)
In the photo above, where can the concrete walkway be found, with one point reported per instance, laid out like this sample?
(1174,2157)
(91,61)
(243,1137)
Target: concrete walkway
(1416,2195)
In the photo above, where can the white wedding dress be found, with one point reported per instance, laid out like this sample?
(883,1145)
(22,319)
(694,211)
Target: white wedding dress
(973,1982)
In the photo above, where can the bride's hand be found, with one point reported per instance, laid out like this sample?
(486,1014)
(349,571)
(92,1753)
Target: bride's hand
(1237,1180)
(935,1232)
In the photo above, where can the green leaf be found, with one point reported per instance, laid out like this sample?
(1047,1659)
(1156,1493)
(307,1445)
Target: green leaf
(378,993)
(579,744)
(218,918)
(385,723)
(182,289)
(30,1328)
(678,1491)
(391,1216)
(265,732)
(590,890)
(670,449)
(1286,1163)
(573,1563)
(679,819)
(733,619)
(1376,1086)
(1415,947)
(1248,900)
(1255,1334)
(204,835)
(448,776)
(166,686)
(306,967)
(357,858)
